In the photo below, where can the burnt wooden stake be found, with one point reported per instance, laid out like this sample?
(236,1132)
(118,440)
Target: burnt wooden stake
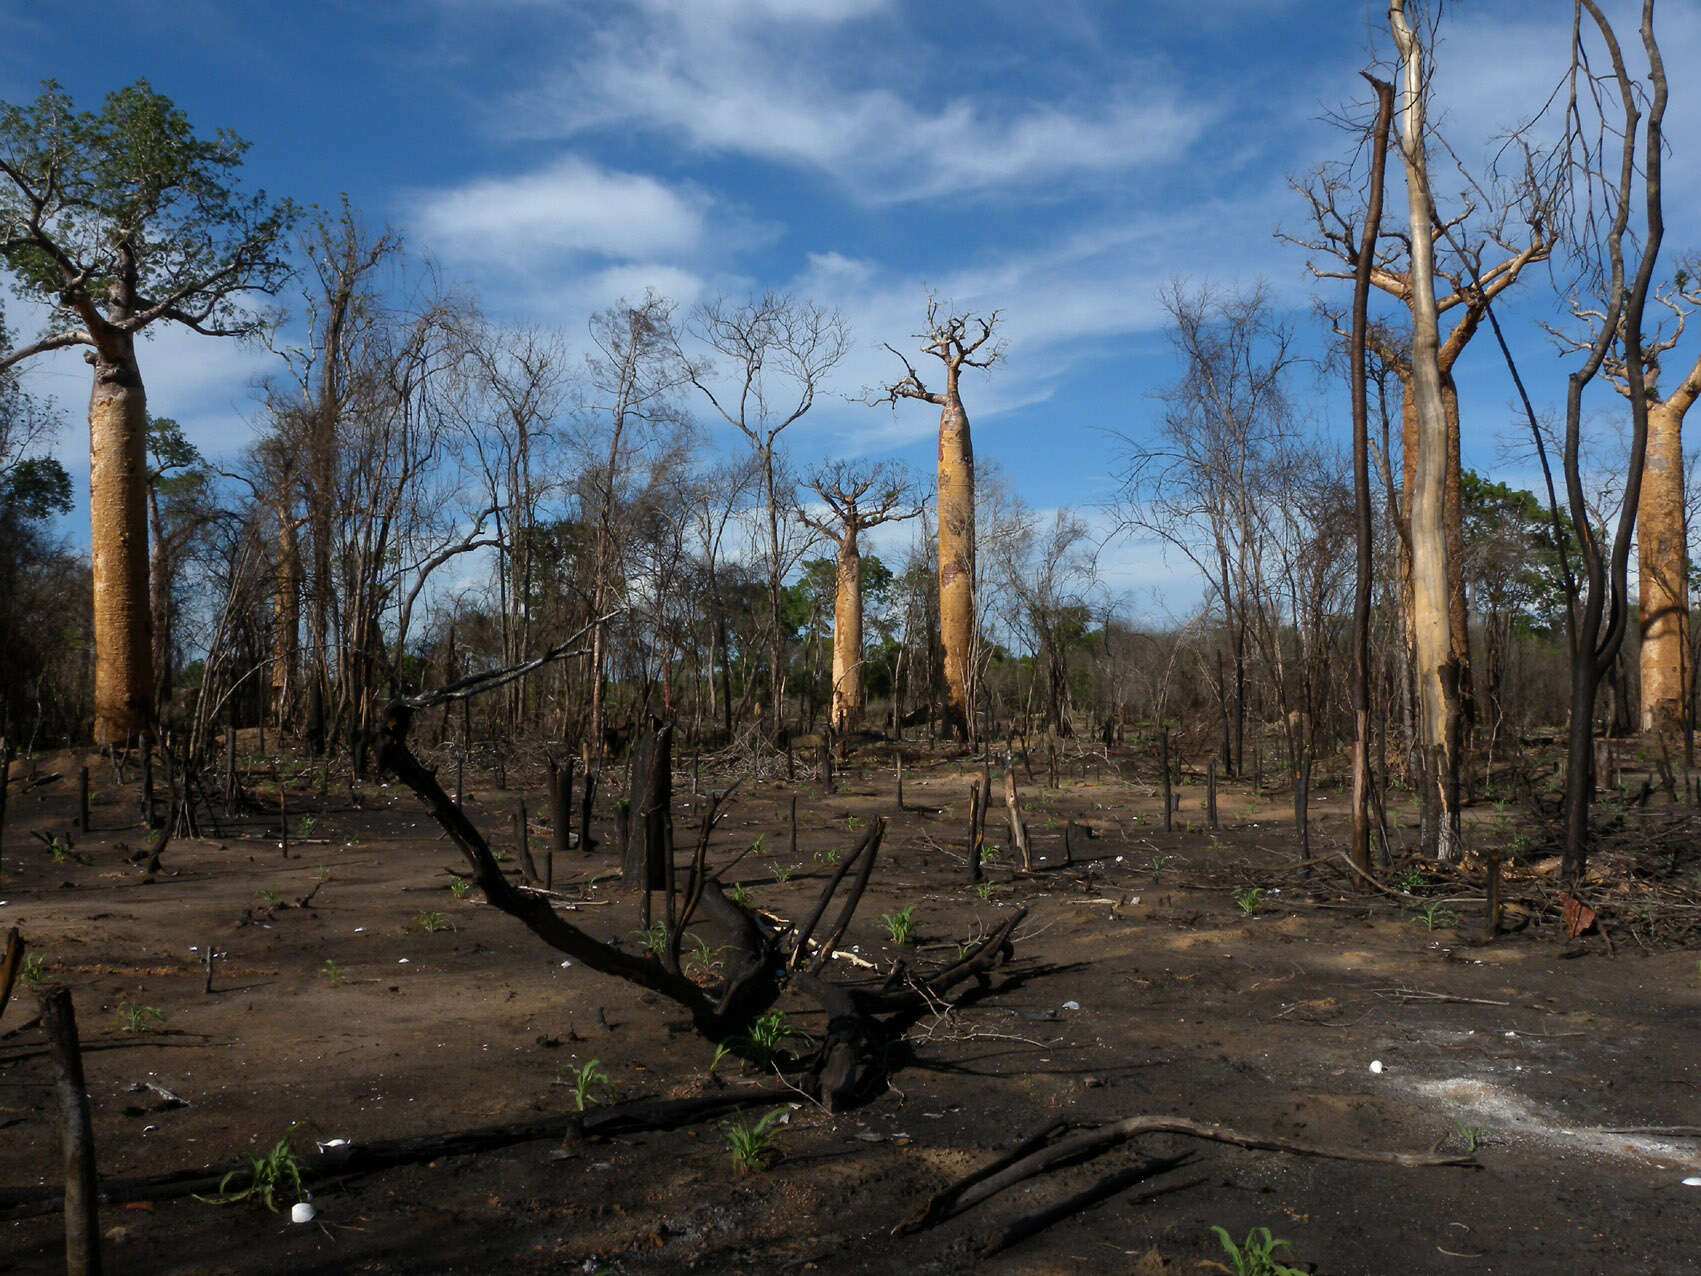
(5,784)
(147,782)
(283,812)
(1492,923)
(561,806)
(1211,793)
(586,805)
(231,791)
(82,1187)
(1163,766)
(83,799)
(1302,807)
(794,826)
(10,965)
(1069,841)
(523,835)
(900,782)
(1051,763)
(207,985)
(975,825)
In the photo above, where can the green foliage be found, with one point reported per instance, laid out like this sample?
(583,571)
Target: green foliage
(333,970)
(33,487)
(1255,1256)
(135,1018)
(432,922)
(753,1147)
(1511,555)
(767,1036)
(653,938)
(33,972)
(830,855)
(702,960)
(899,924)
(1436,915)
(589,1084)
(986,890)
(1248,899)
(460,888)
(267,1175)
(1472,1135)
(783,872)
(739,895)
(134,191)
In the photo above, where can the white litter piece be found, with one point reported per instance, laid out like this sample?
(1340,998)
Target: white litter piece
(302,1212)
(565,964)
(1692,1182)
(330,1145)
(1071,1005)
(401,961)
(1376,1065)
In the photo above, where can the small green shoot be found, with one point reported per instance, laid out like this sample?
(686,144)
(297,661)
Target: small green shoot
(783,872)
(899,924)
(986,890)
(739,894)
(33,972)
(830,855)
(267,894)
(1256,1256)
(432,922)
(134,1018)
(1474,1136)
(754,1147)
(1248,898)
(307,825)
(702,961)
(267,1176)
(654,938)
(589,1083)
(768,1035)
(333,971)
(460,888)
(1436,915)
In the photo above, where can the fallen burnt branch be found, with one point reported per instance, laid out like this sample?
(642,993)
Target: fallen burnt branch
(1038,1153)
(348,1159)
(760,965)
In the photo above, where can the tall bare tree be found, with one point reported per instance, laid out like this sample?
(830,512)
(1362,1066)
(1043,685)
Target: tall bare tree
(958,341)
(121,220)
(860,496)
(780,349)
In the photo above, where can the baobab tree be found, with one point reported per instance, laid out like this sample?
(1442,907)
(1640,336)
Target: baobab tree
(958,341)
(860,496)
(118,221)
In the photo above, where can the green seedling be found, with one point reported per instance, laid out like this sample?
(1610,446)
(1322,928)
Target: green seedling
(739,895)
(1474,1136)
(58,848)
(756,846)
(722,1050)
(1248,898)
(1157,863)
(1412,881)
(986,890)
(1256,1256)
(1436,915)
(267,1175)
(852,823)
(460,888)
(768,1035)
(267,894)
(33,972)
(754,1147)
(322,873)
(783,872)
(134,1018)
(333,970)
(433,922)
(991,854)
(308,824)
(589,1083)
(702,961)
(653,938)
(899,924)
(828,856)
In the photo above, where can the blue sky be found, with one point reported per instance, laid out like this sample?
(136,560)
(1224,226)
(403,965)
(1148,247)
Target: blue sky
(1058,161)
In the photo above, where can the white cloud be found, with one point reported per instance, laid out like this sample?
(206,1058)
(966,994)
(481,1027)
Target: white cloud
(570,207)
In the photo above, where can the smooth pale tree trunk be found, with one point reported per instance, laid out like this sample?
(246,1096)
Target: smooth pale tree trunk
(118,518)
(1663,566)
(847,634)
(956,561)
(1435,657)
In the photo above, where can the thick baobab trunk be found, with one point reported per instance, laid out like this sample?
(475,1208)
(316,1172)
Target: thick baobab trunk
(118,415)
(1436,659)
(847,634)
(1663,559)
(956,562)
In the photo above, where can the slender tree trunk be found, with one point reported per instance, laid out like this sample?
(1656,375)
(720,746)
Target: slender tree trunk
(956,561)
(286,617)
(1432,569)
(118,416)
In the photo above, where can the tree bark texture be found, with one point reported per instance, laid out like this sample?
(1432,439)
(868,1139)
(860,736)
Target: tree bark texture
(956,561)
(1663,566)
(847,634)
(1437,661)
(118,414)
(82,1186)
